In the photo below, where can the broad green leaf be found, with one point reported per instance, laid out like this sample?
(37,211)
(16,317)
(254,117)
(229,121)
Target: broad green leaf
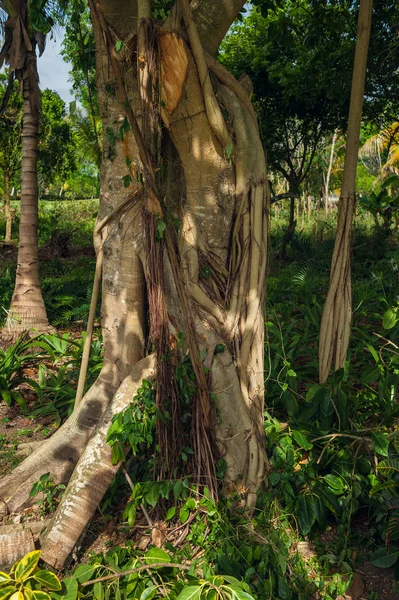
(326,405)
(84,573)
(40,595)
(7,591)
(184,514)
(390,318)
(334,482)
(313,391)
(156,555)
(383,558)
(306,513)
(149,592)
(27,565)
(290,402)
(241,595)
(373,353)
(191,592)
(28,593)
(152,496)
(302,440)
(328,498)
(370,374)
(6,395)
(284,591)
(171,513)
(380,443)
(98,590)
(48,580)
(69,590)
(4,576)
(387,466)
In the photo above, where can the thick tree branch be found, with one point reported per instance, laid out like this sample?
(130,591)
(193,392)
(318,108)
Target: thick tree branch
(278,197)
(213,20)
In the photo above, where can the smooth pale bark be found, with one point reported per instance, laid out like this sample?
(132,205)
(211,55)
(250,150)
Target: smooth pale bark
(213,20)
(122,318)
(27,310)
(92,476)
(328,174)
(337,313)
(7,207)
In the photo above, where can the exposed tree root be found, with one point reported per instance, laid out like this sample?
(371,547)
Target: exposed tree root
(14,545)
(60,453)
(92,476)
(18,540)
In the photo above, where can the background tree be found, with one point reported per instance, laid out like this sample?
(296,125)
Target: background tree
(25,29)
(57,150)
(281,45)
(337,312)
(10,146)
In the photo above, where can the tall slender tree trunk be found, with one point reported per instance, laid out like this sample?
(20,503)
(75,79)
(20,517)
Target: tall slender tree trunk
(328,174)
(289,233)
(337,313)
(27,310)
(7,207)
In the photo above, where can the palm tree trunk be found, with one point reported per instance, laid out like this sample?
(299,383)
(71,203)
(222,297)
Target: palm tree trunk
(7,207)
(27,310)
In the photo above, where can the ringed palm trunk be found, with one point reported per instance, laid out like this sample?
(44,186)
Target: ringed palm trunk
(27,310)
(337,312)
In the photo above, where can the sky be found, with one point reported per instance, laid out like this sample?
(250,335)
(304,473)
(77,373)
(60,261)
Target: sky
(53,71)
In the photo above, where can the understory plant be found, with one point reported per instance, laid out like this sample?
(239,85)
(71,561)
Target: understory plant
(27,581)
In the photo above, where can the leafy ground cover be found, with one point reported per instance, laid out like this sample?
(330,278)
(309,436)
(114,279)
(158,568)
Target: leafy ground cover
(329,517)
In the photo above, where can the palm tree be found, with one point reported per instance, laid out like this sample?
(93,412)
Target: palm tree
(383,147)
(25,27)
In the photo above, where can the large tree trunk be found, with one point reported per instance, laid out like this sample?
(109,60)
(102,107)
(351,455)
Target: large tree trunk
(206,278)
(27,310)
(337,313)
(7,207)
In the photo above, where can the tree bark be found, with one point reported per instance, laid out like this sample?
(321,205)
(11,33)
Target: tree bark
(27,311)
(92,476)
(337,313)
(7,207)
(289,233)
(328,174)
(213,264)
